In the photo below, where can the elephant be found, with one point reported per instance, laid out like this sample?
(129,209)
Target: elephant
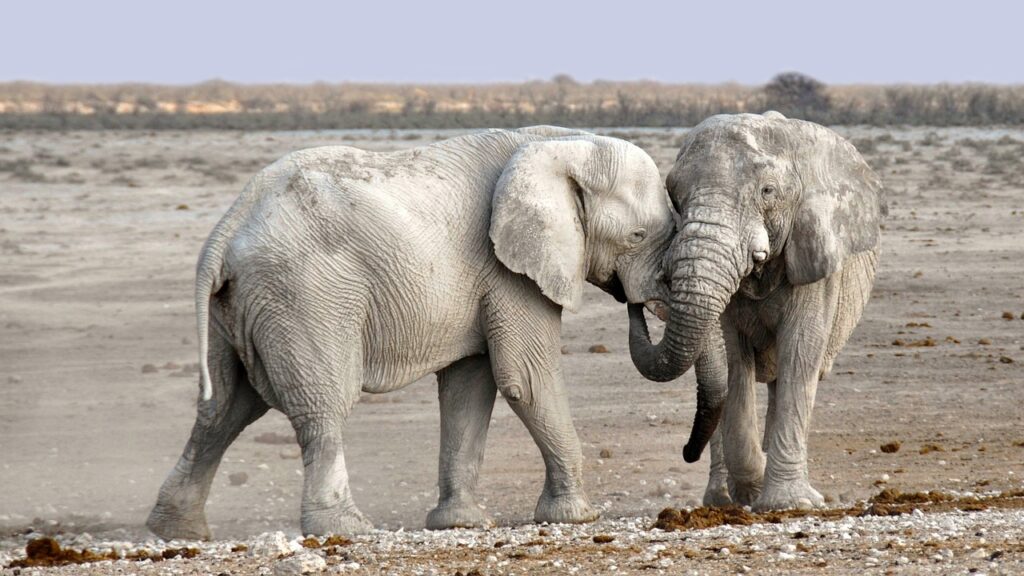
(770,270)
(339,270)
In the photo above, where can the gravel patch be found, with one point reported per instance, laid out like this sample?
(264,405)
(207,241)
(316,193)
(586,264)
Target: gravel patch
(990,541)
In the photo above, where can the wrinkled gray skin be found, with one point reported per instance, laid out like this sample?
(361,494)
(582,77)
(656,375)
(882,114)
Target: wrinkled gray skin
(772,266)
(339,270)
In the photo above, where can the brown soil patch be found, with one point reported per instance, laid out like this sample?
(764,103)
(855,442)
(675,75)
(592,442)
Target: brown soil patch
(888,502)
(891,447)
(48,552)
(671,519)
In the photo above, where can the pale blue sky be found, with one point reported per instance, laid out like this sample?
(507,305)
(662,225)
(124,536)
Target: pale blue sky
(185,41)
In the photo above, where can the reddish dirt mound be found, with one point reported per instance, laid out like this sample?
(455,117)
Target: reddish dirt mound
(671,519)
(888,502)
(48,552)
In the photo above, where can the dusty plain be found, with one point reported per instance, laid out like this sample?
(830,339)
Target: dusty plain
(99,232)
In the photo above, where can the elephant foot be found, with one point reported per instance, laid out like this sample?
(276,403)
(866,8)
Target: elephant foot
(796,494)
(565,509)
(716,495)
(347,521)
(457,514)
(169,523)
(745,493)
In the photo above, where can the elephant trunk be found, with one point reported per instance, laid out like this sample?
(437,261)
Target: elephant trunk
(706,273)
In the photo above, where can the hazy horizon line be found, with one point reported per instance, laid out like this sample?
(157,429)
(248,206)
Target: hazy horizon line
(552,80)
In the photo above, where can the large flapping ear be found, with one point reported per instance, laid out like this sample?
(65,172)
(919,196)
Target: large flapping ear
(538,212)
(840,208)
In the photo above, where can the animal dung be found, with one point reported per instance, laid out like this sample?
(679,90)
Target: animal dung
(603,538)
(890,447)
(598,349)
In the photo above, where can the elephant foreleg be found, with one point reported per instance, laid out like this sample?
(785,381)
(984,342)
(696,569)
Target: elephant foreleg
(526,362)
(744,459)
(466,391)
(801,346)
(179,509)
(717,492)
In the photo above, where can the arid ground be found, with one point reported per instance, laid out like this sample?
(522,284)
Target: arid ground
(99,233)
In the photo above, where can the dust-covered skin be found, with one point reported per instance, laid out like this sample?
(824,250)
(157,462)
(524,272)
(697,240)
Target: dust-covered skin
(339,271)
(97,266)
(776,255)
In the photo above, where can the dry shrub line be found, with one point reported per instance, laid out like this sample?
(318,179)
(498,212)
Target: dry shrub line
(222,105)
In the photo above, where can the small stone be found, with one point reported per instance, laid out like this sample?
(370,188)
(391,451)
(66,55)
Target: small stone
(272,544)
(1006,360)
(984,341)
(603,538)
(149,369)
(1008,315)
(979,554)
(238,478)
(786,556)
(605,453)
(181,207)
(598,349)
(565,350)
(301,563)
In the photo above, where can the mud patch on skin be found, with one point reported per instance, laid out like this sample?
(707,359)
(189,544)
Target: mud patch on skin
(48,552)
(888,502)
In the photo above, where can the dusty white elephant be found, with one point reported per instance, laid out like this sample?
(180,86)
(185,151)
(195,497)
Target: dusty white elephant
(339,270)
(771,269)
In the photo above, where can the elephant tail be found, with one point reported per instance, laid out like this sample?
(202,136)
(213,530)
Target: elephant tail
(209,279)
(211,273)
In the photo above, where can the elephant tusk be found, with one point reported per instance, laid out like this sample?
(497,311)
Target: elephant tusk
(658,308)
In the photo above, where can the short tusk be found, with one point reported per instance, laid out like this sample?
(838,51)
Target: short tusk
(658,308)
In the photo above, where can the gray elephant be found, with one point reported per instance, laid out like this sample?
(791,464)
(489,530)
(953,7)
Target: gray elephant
(770,271)
(339,270)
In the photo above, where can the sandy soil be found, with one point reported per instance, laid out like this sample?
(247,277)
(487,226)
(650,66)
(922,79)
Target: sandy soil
(98,238)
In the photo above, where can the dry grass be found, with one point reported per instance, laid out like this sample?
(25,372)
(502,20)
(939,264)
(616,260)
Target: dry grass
(218,104)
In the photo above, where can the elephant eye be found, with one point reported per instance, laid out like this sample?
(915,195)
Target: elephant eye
(637,235)
(767,190)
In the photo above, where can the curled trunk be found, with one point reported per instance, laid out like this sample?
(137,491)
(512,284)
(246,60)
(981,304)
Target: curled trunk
(706,275)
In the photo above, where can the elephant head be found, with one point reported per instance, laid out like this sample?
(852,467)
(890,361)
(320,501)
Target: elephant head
(767,196)
(583,207)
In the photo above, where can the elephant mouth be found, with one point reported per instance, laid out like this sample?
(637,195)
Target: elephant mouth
(614,287)
(658,308)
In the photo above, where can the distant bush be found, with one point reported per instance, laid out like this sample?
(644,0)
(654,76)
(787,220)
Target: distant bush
(796,94)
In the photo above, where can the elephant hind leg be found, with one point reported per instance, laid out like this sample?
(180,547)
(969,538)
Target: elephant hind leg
(317,377)
(466,391)
(179,511)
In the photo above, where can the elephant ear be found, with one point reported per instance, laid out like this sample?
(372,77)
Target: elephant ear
(840,209)
(537,217)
